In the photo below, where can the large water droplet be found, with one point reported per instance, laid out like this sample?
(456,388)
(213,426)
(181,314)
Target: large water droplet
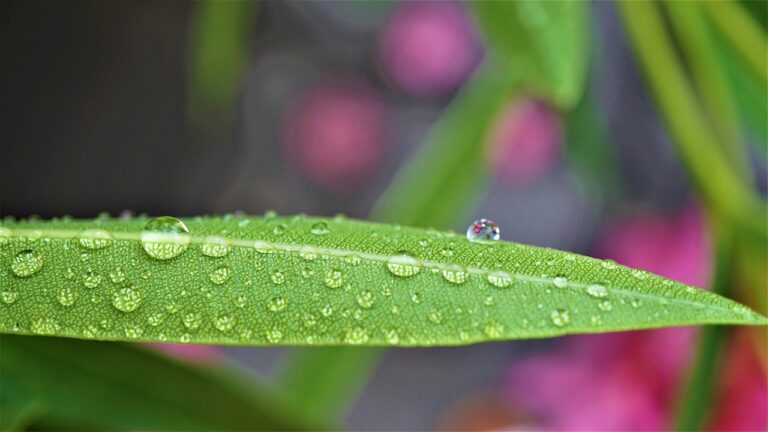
(95,239)
(334,278)
(165,237)
(26,263)
(403,265)
(483,229)
(560,317)
(320,228)
(215,246)
(219,275)
(126,299)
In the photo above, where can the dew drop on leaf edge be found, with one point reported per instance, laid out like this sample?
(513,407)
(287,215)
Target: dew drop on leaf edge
(483,229)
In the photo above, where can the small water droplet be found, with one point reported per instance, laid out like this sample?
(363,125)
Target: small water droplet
(320,228)
(494,329)
(117,276)
(156,319)
(446,252)
(240,301)
(308,253)
(224,323)
(393,338)
(9,295)
(274,335)
(608,264)
(560,317)
(66,296)
(499,279)
(276,304)
(605,306)
(416,298)
(95,239)
(91,279)
(215,246)
(165,237)
(366,299)
(403,265)
(327,310)
(278,278)
(220,275)
(309,320)
(560,281)
(5,235)
(334,278)
(489,300)
(26,263)
(597,291)
(356,336)
(435,315)
(483,229)
(455,274)
(639,274)
(126,299)
(192,320)
(45,326)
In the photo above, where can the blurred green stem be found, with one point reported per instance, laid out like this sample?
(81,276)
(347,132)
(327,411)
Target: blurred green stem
(694,405)
(742,32)
(721,188)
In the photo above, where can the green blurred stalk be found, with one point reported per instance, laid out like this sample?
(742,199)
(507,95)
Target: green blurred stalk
(742,32)
(717,182)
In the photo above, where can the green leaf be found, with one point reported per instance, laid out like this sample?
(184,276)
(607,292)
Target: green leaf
(545,42)
(86,385)
(312,281)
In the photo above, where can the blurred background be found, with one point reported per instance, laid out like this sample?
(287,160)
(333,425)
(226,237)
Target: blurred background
(189,108)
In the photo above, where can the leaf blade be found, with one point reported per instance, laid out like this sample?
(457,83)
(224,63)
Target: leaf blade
(288,286)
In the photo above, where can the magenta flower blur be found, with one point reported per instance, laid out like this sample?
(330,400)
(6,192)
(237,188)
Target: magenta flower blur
(333,134)
(189,352)
(429,48)
(627,380)
(525,142)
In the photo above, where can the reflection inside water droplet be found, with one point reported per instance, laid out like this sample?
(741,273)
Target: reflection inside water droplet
(483,229)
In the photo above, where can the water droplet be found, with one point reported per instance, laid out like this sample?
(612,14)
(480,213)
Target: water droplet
(597,291)
(353,259)
(133,331)
(605,306)
(5,235)
(483,229)
(494,329)
(309,320)
(489,301)
(279,230)
(66,296)
(499,279)
(117,276)
(560,281)
(320,228)
(560,317)
(455,274)
(215,246)
(220,275)
(192,320)
(447,252)
(224,323)
(403,265)
(276,304)
(126,299)
(95,239)
(45,326)
(435,315)
(392,337)
(26,263)
(639,274)
(416,298)
(327,310)
(366,299)
(356,336)
(308,253)
(240,301)
(334,278)
(9,295)
(165,237)
(156,319)
(636,303)
(274,335)
(278,278)
(608,264)
(91,279)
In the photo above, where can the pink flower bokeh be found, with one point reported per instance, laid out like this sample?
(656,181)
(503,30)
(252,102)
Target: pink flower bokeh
(429,48)
(189,352)
(525,142)
(334,134)
(629,380)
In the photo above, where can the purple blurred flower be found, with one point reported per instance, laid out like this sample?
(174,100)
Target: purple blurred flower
(525,142)
(333,133)
(428,48)
(620,381)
